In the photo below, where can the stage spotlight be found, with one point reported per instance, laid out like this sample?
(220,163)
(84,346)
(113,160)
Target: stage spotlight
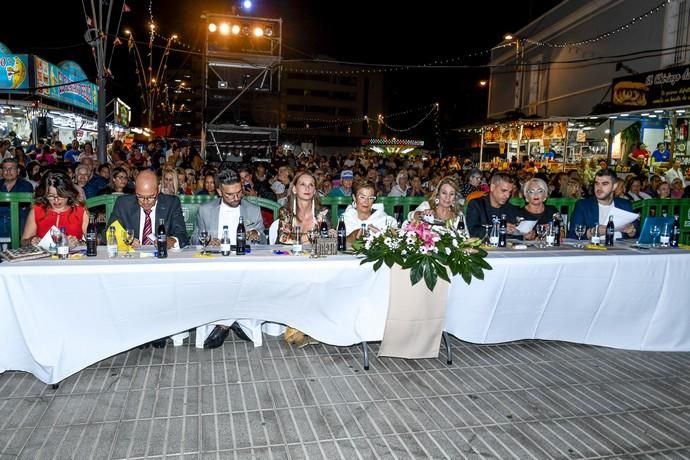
(235,29)
(212,27)
(247,5)
(268,31)
(258,31)
(225,28)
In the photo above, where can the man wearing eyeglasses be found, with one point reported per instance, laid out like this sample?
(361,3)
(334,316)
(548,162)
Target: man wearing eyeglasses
(143,210)
(212,217)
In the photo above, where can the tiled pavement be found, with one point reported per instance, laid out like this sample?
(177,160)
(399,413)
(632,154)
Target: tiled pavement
(522,400)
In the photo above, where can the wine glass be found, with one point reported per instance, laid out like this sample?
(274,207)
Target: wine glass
(655,231)
(128,239)
(580,231)
(56,236)
(542,229)
(312,235)
(204,239)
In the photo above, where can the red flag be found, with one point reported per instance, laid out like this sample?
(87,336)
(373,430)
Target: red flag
(125,8)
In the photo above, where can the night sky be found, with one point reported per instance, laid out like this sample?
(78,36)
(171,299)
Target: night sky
(361,31)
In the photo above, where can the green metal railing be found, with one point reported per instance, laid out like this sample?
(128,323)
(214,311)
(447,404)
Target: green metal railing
(15,200)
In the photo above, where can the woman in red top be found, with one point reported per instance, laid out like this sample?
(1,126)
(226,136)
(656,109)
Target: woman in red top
(56,204)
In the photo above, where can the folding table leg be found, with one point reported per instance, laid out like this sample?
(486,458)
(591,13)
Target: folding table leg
(366,356)
(449,352)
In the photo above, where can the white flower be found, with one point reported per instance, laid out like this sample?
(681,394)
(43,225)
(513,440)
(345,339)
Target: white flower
(448,251)
(367,245)
(423,250)
(435,250)
(455,243)
(388,242)
(403,253)
(410,241)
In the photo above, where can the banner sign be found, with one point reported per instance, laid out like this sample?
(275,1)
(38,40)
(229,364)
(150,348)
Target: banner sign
(661,88)
(123,113)
(14,71)
(54,83)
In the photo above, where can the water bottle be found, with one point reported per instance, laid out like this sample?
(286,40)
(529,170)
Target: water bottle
(596,239)
(323,229)
(63,245)
(161,240)
(502,232)
(297,245)
(493,236)
(462,229)
(111,242)
(91,241)
(225,242)
(610,231)
(342,234)
(363,231)
(675,232)
(241,241)
(557,229)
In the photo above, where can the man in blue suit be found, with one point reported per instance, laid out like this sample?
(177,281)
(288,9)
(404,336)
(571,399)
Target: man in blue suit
(595,210)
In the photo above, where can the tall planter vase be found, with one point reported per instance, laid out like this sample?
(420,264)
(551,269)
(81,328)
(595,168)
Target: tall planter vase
(415,317)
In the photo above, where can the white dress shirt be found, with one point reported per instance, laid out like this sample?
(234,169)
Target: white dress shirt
(231,217)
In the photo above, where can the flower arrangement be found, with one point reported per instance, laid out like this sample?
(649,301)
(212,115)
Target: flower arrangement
(429,252)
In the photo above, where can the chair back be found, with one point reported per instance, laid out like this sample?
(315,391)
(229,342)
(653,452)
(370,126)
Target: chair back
(190,209)
(14,200)
(273,232)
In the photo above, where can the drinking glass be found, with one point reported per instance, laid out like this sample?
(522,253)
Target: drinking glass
(312,235)
(665,235)
(655,231)
(542,229)
(580,231)
(128,239)
(204,239)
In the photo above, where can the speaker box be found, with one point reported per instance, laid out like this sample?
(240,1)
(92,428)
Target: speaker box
(44,127)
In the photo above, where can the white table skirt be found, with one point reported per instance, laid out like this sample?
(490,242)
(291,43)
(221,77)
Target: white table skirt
(620,299)
(58,317)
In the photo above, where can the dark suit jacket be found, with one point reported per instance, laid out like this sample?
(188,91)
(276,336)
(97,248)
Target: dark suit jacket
(168,207)
(587,212)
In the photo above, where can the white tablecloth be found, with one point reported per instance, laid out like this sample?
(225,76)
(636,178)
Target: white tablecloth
(57,317)
(619,299)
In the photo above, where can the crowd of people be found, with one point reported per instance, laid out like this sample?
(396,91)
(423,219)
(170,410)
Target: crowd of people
(150,180)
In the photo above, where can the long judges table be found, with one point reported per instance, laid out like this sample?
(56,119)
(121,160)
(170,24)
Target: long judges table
(58,317)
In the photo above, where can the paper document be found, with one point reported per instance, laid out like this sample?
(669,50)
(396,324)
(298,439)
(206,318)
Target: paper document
(621,217)
(526,226)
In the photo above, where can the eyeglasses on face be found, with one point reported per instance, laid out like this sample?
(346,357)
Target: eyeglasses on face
(370,199)
(147,198)
(535,191)
(55,197)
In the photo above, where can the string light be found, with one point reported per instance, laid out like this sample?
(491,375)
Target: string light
(605,35)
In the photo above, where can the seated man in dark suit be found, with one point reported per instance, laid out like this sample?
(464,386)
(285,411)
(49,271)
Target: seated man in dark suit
(212,217)
(142,212)
(595,209)
(480,210)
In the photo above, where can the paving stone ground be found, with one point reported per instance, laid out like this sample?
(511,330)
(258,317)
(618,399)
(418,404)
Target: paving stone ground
(523,400)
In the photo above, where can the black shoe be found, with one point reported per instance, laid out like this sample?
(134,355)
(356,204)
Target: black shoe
(160,343)
(216,337)
(237,329)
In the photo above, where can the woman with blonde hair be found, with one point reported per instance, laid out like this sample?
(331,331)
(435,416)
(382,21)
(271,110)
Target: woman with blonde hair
(169,183)
(443,204)
(302,209)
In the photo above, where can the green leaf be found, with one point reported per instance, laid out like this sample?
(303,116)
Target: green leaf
(430,277)
(466,277)
(378,264)
(416,274)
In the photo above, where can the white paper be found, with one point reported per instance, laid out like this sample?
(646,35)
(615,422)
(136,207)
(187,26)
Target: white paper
(47,240)
(526,226)
(621,217)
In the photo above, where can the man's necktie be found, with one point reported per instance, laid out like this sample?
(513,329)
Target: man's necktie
(148,228)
